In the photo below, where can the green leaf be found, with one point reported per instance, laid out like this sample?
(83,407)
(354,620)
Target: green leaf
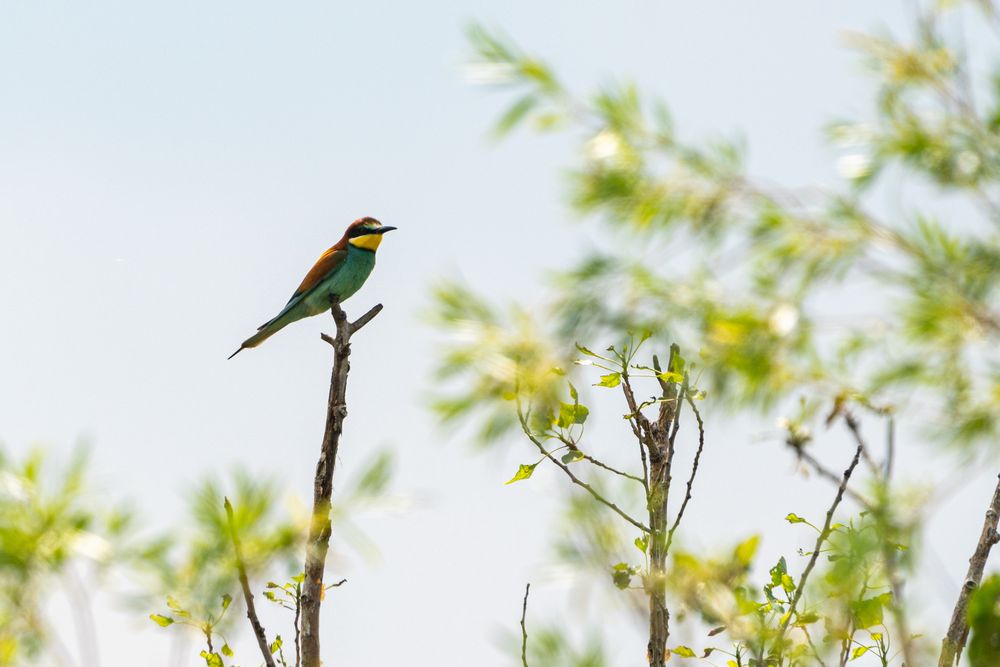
(541,420)
(984,622)
(683,651)
(621,575)
(858,652)
(669,376)
(746,550)
(515,114)
(572,393)
(276,644)
(588,352)
(610,380)
(794,518)
(226,651)
(212,659)
(162,621)
(571,413)
(523,472)
(787,583)
(642,543)
(226,600)
(572,456)
(778,571)
(867,613)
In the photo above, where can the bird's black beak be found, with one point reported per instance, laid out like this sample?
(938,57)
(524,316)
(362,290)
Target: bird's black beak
(385,228)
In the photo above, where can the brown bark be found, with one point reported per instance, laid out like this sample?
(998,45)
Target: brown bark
(318,543)
(659,443)
(958,629)
(258,629)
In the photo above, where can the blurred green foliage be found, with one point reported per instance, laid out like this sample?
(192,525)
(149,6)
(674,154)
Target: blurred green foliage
(819,294)
(984,621)
(748,273)
(57,536)
(50,525)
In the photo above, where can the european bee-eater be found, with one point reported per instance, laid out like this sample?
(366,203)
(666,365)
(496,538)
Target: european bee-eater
(339,272)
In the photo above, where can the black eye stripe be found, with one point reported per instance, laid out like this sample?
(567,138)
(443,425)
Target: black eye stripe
(362,231)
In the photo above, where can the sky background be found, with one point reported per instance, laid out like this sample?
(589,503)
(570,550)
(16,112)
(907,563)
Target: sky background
(171,170)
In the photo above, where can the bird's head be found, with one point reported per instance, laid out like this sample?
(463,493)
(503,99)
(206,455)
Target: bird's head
(366,233)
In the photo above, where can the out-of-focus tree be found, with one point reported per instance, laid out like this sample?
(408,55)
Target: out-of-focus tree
(200,578)
(57,539)
(761,283)
(54,537)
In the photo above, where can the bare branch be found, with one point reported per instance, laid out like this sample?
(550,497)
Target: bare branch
(298,612)
(524,630)
(576,480)
(357,324)
(258,629)
(694,473)
(320,528)
(601,464)
(958,629)
(823,535)
(823,471)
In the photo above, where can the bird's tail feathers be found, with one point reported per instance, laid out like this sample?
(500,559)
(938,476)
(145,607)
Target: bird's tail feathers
(264,332)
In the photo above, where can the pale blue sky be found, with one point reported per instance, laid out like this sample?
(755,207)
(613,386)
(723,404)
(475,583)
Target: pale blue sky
(171,170)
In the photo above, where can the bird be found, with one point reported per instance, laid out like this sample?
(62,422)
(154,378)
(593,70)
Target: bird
(338,273)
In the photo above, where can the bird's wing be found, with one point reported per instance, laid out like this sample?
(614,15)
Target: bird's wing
(326,264)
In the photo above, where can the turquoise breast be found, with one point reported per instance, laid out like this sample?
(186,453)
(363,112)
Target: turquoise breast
(344,282)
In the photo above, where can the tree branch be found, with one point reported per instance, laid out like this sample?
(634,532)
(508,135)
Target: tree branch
(258,629)
(823,471)
(694,473)
(823,535)
(958,629)
(601,464)
(524,630)
(320,528)
(576,480)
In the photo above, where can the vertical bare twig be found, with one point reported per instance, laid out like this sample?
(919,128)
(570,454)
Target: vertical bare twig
(694,473)
(318,543)
(258,629)
(298,612)
(524,630)
(958,629)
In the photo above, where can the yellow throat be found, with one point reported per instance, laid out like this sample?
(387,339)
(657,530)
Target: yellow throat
(366,242)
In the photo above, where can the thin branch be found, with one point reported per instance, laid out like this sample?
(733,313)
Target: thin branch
(958,629)
(694,473)
(823,535)
(320,528)
(823,471)
(601,464)
(645,432)
(576,480)
(298,612)
(524,630)
(258,629)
